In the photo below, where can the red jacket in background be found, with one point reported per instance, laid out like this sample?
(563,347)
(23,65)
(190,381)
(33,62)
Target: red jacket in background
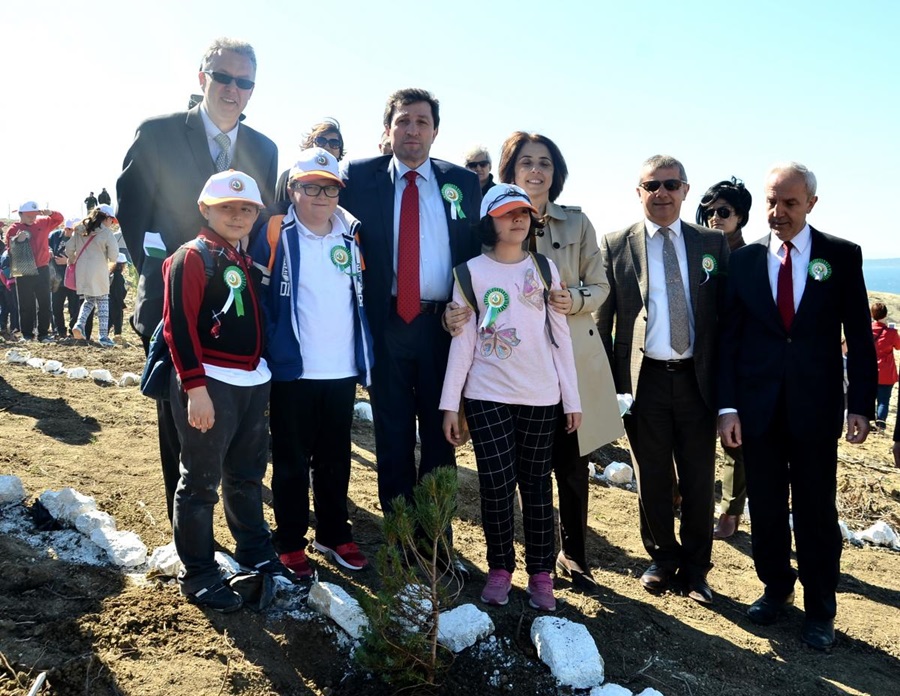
(40,231)
(887,340)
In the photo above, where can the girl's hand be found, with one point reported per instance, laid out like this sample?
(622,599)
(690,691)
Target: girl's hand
(455,318)
(452,429)
(200,411)
(561,300)
(573,422)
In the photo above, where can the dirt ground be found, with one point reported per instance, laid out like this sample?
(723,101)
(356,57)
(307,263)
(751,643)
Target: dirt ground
(95,630)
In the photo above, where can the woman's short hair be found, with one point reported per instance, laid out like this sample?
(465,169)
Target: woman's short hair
(732,192)
(329,125)
(879,311)
(488,233)
(509,153)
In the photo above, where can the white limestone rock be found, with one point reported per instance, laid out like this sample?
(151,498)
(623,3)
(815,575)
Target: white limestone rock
(227,565)
(88,521)
(65,505)
(625,403)
(17,357)
(463,626)
(610,690)
(417,599)
(363,411)
(568,650)
(77,373)
(129,379)
(102,376)
(650,692)
(11,490)
(123,548)
(332,601)
(53,367)
(37,363)
(619,473)
(164,561)
(879,534)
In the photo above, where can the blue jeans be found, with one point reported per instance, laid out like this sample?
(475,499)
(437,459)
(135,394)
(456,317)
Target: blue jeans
(882,399)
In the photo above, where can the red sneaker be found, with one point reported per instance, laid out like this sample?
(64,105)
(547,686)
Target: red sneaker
(347,555)
(296,561)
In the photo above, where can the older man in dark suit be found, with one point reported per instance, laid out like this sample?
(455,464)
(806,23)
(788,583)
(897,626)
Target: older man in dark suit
(165,168)
(790,296)
(417,214)
(659,326)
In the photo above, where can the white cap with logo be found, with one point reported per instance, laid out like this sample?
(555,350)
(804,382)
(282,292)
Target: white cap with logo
(230,186)
(29,207)
(315,163)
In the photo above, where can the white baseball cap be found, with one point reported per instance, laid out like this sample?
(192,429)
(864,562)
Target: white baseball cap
(230,186)
(71,222)
(315,163)
(121,259)
(29,207)
(502,198)
(107,209)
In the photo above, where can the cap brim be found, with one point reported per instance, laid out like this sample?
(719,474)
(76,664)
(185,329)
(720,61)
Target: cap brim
(317,174)
(216,201)
(512,205)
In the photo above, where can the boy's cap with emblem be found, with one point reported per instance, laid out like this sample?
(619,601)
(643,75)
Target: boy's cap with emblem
(28,207)
(230,186)
(502,198)
(316,163)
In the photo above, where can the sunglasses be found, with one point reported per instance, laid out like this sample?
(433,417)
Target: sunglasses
(313,190)
(504,196)
(479,163)
(723,212)
(226,79)
(334,143)
(653,186)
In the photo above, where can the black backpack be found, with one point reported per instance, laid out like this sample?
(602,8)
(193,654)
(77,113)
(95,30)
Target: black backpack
(158,367)
(464,279)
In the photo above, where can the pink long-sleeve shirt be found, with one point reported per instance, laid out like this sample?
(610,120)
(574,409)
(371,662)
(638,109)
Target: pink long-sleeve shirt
(513,362)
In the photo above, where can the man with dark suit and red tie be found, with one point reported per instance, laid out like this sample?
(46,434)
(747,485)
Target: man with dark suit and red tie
(417,215)
(659,327)
(790,296)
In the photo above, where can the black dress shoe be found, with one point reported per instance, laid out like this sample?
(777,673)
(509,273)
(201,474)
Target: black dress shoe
(657,579)
(700,591)
(766,610)
(818,634)
(580,575)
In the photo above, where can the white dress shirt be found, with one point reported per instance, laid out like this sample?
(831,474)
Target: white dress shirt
(435,261)
(800,254)
(212,130)
(657,343)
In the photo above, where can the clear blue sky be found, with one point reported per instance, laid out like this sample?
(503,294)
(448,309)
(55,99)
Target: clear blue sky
(728,88)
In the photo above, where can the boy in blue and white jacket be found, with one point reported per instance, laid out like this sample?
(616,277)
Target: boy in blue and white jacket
(318,348)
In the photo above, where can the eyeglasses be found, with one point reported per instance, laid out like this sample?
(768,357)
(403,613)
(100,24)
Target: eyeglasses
(653,185)
(313,190)
(334,143)
(479,163)
(226,79)
(509,194)
(723,212)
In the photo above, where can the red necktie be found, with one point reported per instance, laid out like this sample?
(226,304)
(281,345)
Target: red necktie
(408,296)
(786,287)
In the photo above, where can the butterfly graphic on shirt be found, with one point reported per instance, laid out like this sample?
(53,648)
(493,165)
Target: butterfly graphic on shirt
(499,341)
(532,294)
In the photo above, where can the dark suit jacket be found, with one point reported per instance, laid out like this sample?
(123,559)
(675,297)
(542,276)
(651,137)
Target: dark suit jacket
(622,320)
(369,196)
(760,359)
(162,176)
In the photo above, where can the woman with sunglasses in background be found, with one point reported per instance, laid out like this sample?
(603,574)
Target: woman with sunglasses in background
(726,206)
(534,163)
(326,135)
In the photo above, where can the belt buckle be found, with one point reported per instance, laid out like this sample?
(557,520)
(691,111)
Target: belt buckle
(672,365)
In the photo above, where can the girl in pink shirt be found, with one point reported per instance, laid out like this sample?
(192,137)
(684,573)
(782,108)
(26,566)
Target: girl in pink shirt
(512,364)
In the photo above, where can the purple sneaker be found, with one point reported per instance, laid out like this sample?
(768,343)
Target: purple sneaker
(540,587)
(496,589)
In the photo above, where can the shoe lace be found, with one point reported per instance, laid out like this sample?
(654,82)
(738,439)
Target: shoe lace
(541,583)
(497,579)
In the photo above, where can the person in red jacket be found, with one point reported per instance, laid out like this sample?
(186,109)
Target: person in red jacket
(887,340)
(34,226)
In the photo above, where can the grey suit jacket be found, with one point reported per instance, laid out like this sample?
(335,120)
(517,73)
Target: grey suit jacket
(162,176)
(622,320)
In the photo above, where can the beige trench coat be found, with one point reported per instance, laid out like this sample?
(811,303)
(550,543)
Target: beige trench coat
(92,269)
(569,239)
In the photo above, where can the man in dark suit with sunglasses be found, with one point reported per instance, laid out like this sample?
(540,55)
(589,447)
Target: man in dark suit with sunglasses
(411,345)
(659,327)
(164,171)
(790,296)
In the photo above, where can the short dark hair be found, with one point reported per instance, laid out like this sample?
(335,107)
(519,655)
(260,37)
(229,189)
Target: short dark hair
(326,126)
(509,153)
(488,233)
(879,311)
(732,192)
(411,95)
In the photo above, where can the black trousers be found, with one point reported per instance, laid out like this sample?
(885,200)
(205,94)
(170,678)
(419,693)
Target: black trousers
(34,291)
(310,421)
(407,379)
(58,301)
(779,464)
(571,472)
(670,420)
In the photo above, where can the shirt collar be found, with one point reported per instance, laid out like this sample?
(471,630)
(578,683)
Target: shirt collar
(800,242)
(424,170)
(652,228)
(212,130)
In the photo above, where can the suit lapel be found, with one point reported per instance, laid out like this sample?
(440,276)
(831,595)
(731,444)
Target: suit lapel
(384,186)
(809,298)
(637,243)
(196,136)
(693,246)
(441,177)
(759,283)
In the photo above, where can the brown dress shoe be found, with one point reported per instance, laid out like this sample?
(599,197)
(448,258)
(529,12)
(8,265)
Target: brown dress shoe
(726,526)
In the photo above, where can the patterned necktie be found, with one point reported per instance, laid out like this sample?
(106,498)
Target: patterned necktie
(223,160)
(408,297)
(785,293)
(679,331)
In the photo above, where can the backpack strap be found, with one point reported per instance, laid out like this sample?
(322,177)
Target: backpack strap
(463,277)
(543,266)
(202,248)
(273,232)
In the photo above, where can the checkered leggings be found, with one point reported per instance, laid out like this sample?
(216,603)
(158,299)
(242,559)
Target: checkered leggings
(513,445)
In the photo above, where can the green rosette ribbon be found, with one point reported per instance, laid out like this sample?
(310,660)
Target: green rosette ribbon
(452,194)
(340,257)
(496,300)
(710,266)
(236,281)
(819,270)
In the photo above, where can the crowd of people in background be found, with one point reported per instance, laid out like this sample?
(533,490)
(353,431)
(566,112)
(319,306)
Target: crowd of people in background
(476,308)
